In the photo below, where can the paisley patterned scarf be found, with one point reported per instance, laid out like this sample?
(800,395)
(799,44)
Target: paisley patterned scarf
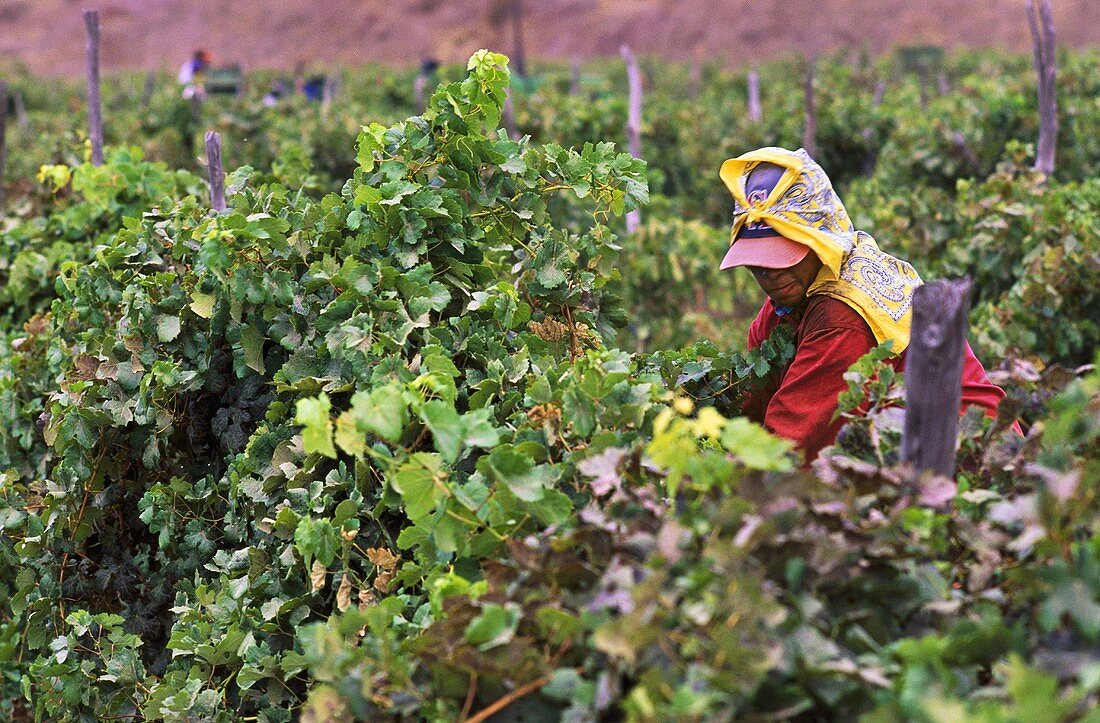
(803,207)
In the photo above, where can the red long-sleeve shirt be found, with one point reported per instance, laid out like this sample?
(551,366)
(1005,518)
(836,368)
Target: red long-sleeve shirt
(799,402)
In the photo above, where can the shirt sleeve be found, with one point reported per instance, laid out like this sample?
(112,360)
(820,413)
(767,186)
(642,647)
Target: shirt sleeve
(802,408)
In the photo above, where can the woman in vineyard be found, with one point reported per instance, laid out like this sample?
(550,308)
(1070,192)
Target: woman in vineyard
(841,293)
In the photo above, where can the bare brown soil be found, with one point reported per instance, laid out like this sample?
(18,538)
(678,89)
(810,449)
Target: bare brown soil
(48,35)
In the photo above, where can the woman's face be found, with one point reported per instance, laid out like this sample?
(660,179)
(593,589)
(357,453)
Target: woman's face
(787,287)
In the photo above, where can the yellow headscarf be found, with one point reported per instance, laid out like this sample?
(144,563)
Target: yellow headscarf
(803,207)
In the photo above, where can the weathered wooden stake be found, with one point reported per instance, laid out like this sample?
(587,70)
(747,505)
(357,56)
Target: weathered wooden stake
(3,136)
(880,93)
(869,131)
(214,168)
(1042,38)
(575,78)
(420,87)
(633,121)
(21,111)
(329,89)
(942,84)
(964,149)
(519,58)
(695,80)
(95,107)
(933,375)
(755,113)
(196,107)
(510,115)
(150,86)
(809,131)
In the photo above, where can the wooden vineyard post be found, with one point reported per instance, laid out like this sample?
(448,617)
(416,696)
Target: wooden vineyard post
(330,88)
(517,39)
(95,107)
(214,168)
(633,121)
(809,132)
(510,115)
(964,149)
(3,136)
(196,109)
(575,77)
(420,87)
(755,113)
(879,94)
(150,87)
(869,130)
(933,375)
(1041,23)
(942,84)
(21,111)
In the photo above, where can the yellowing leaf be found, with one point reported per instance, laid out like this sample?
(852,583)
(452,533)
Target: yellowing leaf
(202,304)
(611,640)
(168,327)
(683,405)
(252,344)
(313,415)
(709,423)
(348,436)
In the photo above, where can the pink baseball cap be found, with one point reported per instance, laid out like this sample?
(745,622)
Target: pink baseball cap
(758,244)
(769,252)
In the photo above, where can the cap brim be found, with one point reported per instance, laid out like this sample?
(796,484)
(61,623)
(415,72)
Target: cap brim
(771,252)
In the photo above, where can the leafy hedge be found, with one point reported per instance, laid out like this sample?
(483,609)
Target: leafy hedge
(1029,243)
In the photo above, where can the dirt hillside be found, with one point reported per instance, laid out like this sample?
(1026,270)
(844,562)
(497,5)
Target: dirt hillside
(48,35)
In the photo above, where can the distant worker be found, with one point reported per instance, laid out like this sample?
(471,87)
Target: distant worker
(279,90)
(192,72)
(832,283)
(425,78)
(314,88)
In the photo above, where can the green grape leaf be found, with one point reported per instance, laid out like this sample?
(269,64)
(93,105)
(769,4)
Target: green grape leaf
(382,411)
(494,626)
(519,473)
(420,482)
(313,415)
(755,446)
(317,539)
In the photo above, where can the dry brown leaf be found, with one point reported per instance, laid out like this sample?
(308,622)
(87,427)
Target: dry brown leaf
(85,366)
(541,413)
(548,330)
(382,558)
(38,324)
(317,575)
(366,599)
(343,595)
(382,581)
